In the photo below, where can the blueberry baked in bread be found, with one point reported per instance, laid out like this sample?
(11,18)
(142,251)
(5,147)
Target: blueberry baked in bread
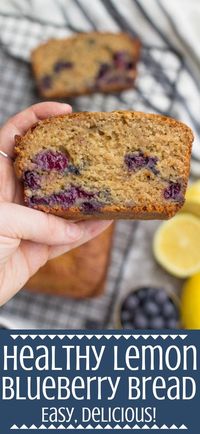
(85,63)
(79,273)
(105,165)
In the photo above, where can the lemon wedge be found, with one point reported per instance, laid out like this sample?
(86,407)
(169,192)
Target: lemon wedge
(176,245)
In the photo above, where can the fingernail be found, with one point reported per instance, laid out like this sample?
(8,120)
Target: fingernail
(74,232)
(67,106)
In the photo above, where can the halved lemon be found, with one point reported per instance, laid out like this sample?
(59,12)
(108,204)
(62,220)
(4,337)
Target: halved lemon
(190,303)
(177,245)
(192,199)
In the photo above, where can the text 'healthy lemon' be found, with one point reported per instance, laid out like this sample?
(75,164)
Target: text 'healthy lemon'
(177,245)
(190,303)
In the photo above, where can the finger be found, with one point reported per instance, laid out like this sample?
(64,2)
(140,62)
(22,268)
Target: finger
(90,230)
(20,222)
(31,256)
(19,124)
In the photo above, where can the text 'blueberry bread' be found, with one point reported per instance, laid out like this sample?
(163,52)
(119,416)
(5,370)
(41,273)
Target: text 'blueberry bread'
(85,63)
(105,165)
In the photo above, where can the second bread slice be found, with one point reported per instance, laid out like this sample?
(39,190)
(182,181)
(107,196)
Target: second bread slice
(86,63)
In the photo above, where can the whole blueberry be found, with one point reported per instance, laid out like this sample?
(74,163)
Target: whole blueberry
(61,65)
(131,303)
(52,160)
(123,60)
(73,169)
(157,323)
(46,82)
(83,194)
(136,161)
(125,316)
(103,70)
(151,293)
(150,308)
(172,324)
(38,200)
(169,310)
(142,294)
(32,179)
(65,198)
(161,296)
(151,164)
(120,59)
(140,321)
(90,207)
(130,65)
(173,191)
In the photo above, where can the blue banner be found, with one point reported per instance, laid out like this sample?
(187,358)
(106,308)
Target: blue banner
(103,380)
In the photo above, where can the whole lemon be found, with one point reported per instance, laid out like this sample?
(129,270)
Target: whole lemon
(190,303)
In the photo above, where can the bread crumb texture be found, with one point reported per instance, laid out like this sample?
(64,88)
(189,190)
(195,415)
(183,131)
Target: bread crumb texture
(109,165)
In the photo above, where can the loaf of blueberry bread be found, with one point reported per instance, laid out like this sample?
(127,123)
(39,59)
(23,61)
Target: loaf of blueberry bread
(105,165)
(78,274)
(85,63)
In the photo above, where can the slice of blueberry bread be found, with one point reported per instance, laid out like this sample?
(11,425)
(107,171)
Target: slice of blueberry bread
(105,165)
(85,63)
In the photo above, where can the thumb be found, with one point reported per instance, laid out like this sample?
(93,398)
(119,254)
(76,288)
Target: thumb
(20,222)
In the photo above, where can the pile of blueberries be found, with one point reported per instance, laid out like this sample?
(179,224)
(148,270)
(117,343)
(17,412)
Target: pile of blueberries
(148,309)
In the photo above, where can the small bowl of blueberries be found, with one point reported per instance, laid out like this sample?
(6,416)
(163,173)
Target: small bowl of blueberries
(149,308)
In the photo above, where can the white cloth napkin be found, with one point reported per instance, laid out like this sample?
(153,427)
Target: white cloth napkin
(185,19)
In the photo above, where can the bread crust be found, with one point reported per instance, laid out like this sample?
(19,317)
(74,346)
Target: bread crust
(111,88)
(155,211)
